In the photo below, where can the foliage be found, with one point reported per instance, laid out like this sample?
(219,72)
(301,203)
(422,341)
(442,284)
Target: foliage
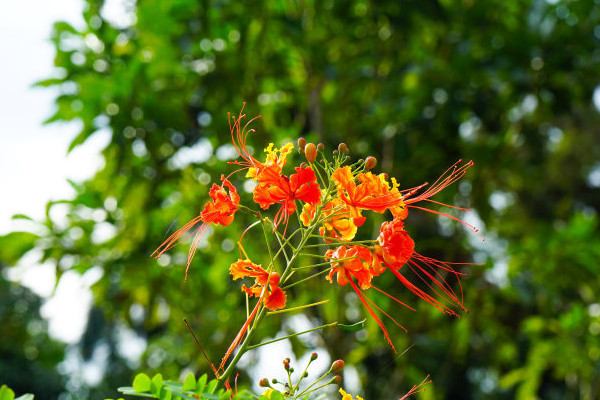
(507,84)
(191,388)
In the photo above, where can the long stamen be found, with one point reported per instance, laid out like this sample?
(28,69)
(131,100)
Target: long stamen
(449,296)
(417,388)
(173,240)
(384,313)
(428,298)
(393,298)
(450,176)
(370,310)
(472,228)
(240,334)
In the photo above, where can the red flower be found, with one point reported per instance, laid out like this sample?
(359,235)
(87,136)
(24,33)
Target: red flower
(274,297)
(358,262)
(220,210)
(353,261)
(337,223)
(396,249)
(274,188)
(276,158)
(396,246)
(373,192)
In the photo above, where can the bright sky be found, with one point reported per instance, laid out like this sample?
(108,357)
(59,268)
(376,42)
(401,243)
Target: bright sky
(33,161)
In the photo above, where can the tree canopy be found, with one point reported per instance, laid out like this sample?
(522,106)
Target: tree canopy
(419,85)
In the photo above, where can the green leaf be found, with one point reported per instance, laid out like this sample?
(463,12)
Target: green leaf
(201,383)
(49,82)
(157,384)
(354,327)
(212,386)
(275,395)
(6,393)
(14,245)
(142,383)
(27,396)
(166,395)
(183,395)
(22,216)
(190,382)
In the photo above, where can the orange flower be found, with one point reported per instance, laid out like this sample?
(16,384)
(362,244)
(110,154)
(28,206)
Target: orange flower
(359,262)
(220,210)
(275,188)
(276,158)
(373,192)
(338,223)
(274,297)
(396,249)
(396,246)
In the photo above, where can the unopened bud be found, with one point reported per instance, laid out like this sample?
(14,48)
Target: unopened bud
(337,366)
(303,165)
(343,148)
(264,382)
(336,380)
(291,370)
(321,147)
(313,356)
(305,374)
(335,153)
(301,143)
(370,162)
(310,151)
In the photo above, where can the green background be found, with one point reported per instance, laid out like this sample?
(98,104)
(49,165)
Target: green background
(419,85)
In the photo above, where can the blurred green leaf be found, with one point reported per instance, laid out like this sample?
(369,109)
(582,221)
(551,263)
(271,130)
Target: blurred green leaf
(142,383)
(14,245)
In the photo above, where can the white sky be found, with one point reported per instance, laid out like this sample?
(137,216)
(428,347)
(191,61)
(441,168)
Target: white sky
(33,162)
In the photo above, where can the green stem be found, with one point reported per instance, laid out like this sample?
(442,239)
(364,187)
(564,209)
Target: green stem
(297,308)
(333,260)
(291,335)
(305,279)
(243,348)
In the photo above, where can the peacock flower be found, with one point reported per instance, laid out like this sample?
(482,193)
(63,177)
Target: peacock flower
(274,297)
(395,249)
(372,193)
(276,159)
(358,262)
(274,188)
(395,246)
(451,175)
(337,220)
(220,210)
(353,262)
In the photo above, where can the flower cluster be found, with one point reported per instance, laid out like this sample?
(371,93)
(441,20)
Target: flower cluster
(331,198)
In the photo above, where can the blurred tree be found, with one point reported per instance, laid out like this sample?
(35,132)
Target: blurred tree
(28,357)
(419,85)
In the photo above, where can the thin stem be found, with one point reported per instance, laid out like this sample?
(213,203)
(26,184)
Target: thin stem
(333,260)
(297,308)
(305,279)
(243,348)
(291,335)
